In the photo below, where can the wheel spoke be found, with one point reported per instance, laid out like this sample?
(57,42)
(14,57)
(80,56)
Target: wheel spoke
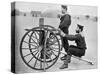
(28,48)
(48,56)
(54,53)
(30,60)
(36,53)
(40,64)
(36,37)
(36,61)
(30,53)
(32,39)
(47,64)
(52,43)
(40,61)
(54,48)
(28,43)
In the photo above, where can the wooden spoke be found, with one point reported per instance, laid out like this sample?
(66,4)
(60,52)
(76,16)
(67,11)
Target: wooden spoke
(36,53)
(47,64)
(30,53)
(36,36)
(40,61)
(40,64)
(30,60)
(29,48)
(54,53)
(48,56)
(53,43)
(36,61)
(33,40)
(29,43)
(54,48)
(33,37)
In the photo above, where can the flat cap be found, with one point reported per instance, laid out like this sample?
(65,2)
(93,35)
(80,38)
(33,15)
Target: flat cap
(64,6)
(80,26)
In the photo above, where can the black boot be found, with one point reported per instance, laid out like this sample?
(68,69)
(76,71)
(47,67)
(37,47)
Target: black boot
(65,65)
(68,58)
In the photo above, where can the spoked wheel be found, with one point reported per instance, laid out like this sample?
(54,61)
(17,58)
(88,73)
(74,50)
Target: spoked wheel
(40,52)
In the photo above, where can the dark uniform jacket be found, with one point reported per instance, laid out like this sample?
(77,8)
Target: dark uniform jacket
(80,41)
(65,22)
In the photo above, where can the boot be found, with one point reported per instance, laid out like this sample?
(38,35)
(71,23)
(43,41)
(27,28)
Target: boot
(68,58)
(65,65)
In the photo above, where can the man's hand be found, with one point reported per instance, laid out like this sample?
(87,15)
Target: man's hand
(58,30)
(62,33)
(59,15)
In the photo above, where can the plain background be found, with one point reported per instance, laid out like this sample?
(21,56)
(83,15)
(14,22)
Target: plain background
(5,28)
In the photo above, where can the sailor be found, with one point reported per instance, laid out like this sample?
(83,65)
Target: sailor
(65,22)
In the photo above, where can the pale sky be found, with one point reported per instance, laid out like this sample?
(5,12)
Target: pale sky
(72,9)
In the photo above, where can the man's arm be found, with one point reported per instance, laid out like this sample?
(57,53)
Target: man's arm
(71,37)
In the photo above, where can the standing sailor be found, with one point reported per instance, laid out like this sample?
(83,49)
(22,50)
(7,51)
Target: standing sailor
(65,22)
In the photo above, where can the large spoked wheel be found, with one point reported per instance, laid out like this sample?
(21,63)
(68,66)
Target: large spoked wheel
(40,52)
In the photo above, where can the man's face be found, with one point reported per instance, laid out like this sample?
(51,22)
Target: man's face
(63,10)
(78,30)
